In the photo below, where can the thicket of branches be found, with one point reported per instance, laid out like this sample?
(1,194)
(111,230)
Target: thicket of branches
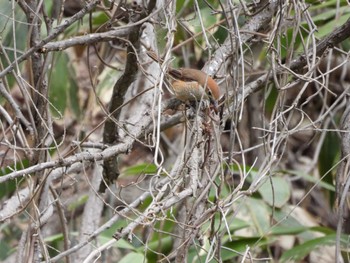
(99,160)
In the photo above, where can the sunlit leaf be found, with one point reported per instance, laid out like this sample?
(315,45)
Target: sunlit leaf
(144,168)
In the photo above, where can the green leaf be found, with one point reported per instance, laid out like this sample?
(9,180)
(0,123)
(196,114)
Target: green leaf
(5,250)
(99,18)
(53,238)
(259,213)
(317,4)
(271,97)
(234,224)
(292,230)
(166,243)
(275,191)
(10,186)
(238,224)
(330,14)
(299,252)
(63,89)
(144,168)
(82,200)
(122,243)
(288,230)
(108,233)
(13,33)
(287,222)
(194,23)
(240,244)
(134,258)
(312,179)
(327,21)
(329,154)
(180,4)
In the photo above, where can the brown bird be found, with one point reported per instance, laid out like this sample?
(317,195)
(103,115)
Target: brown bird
(191,84)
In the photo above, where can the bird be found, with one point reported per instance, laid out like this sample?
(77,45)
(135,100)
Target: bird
(191,84)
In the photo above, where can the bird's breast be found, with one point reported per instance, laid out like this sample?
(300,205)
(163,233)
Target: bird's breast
(188,90)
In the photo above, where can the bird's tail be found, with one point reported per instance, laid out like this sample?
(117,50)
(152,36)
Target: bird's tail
(152,54)
(175,73)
